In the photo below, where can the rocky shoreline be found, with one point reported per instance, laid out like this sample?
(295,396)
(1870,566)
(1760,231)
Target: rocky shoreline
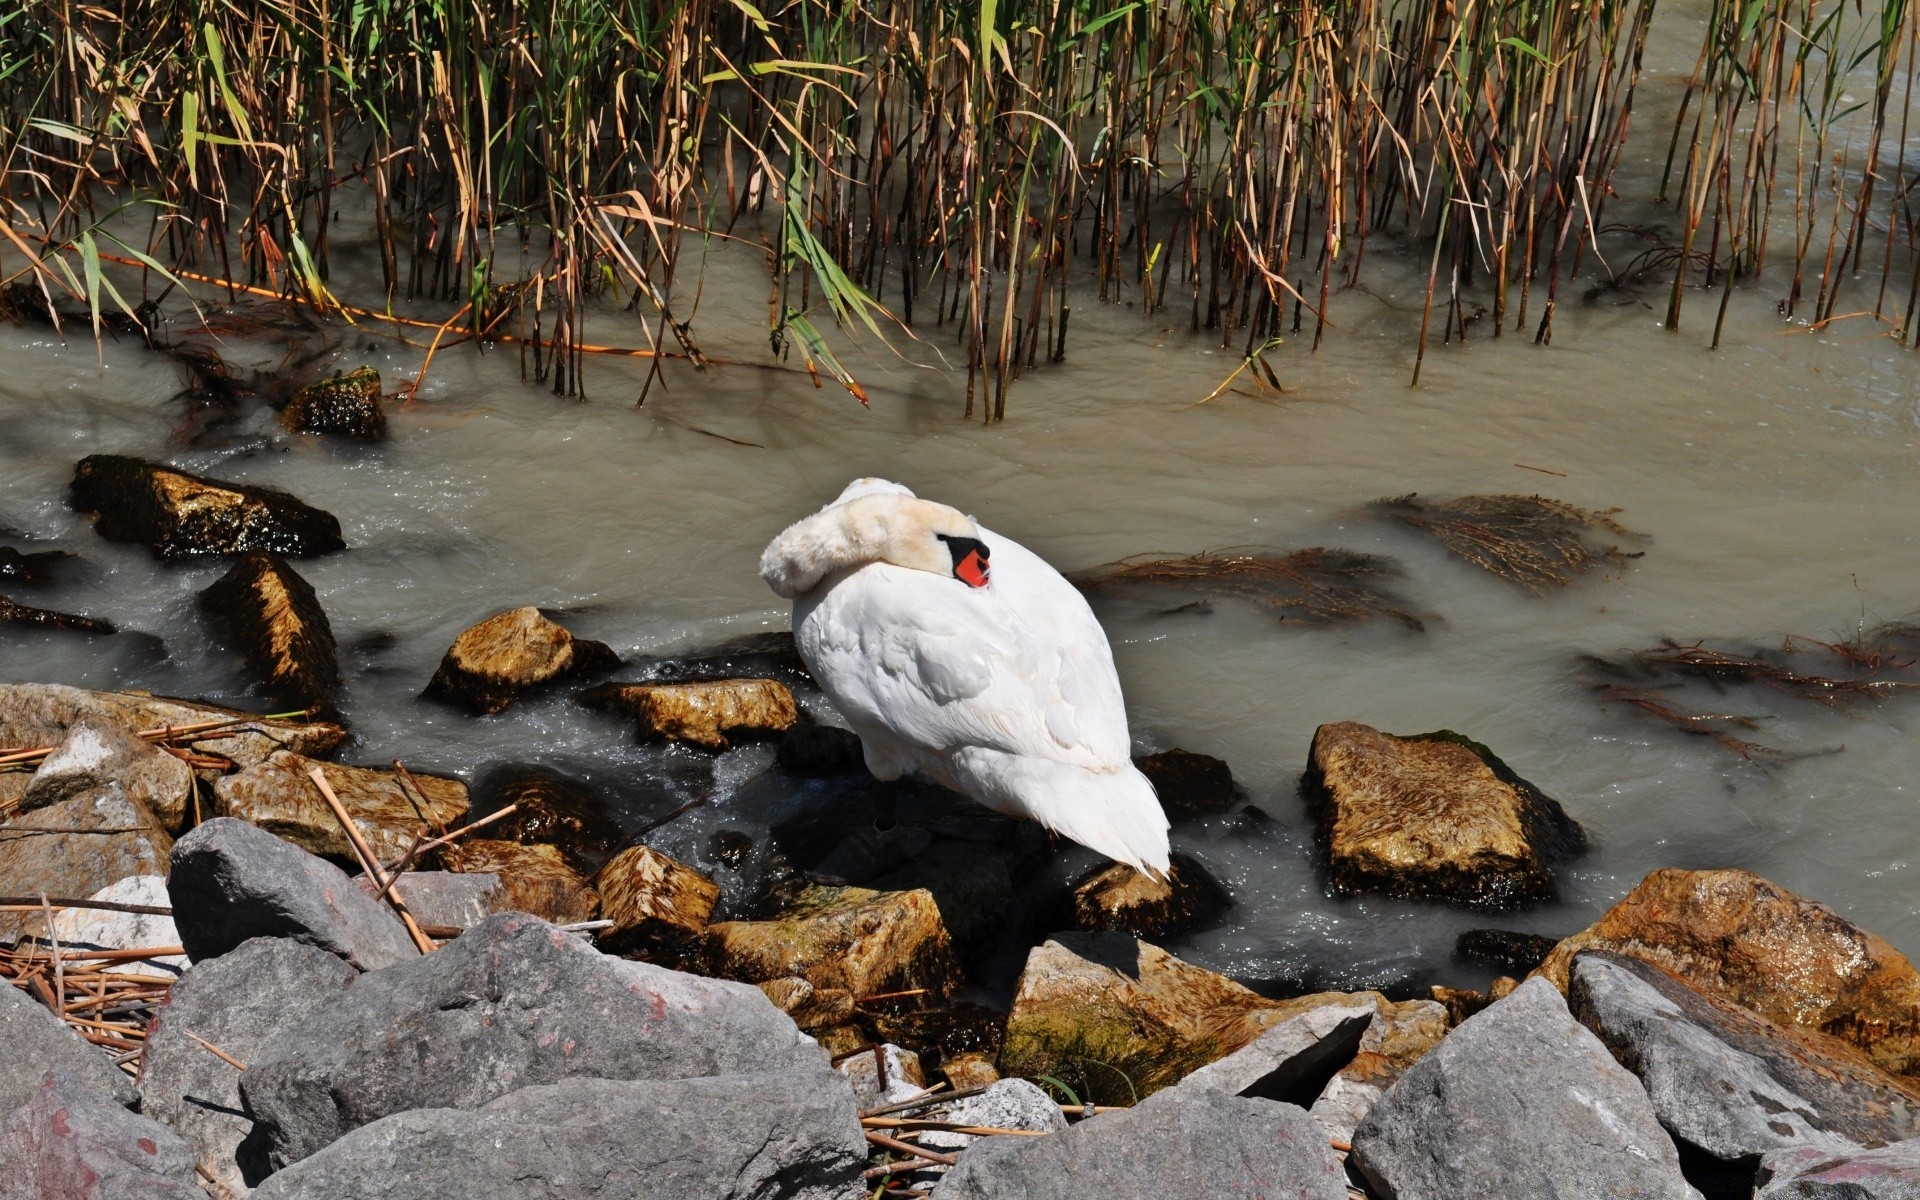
(240,965)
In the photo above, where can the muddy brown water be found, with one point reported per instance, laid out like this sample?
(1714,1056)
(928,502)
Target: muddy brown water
(1774,480)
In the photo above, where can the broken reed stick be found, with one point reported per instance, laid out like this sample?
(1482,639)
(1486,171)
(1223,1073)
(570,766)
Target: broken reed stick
(890,996)
(216,1051)
(409,787)
(406,860)
(947,1127)
(899,1147)
(29,904)
(130,955)
(59,968)
(368,862)
(923,1101)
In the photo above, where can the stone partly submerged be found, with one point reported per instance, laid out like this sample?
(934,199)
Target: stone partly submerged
(533,879)
(1434,816)
(1119,897)
(270,615)
(510,1004)
(1795,961)
(862,941)
(1176,1145)
(711,714)
(1189,784)
(13,613)
(1118,1019)
(659,906)
(40,714)
(549,809)
(345,405)
(279,796)
(490,664)
(183,516)
(34,568)
(790,1135)
(1520,1100)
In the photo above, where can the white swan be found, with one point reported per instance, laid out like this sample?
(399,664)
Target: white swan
(961,655)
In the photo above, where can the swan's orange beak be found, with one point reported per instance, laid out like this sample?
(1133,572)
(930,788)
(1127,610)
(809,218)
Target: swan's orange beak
(973,570)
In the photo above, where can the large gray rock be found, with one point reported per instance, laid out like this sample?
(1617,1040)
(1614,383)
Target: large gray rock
(1176,1143)
(76,848)
(1730,1081)
(98,752)
(241,1002)
(511,1003)
(445,898)
(1815,1173)
(33,1041)
(1520,1100)
(790,1136)
(232,881)
(68,1142)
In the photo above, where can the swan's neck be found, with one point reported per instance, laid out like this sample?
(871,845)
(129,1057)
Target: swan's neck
(871,529)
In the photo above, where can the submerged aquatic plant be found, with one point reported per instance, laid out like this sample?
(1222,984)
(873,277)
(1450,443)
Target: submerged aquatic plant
(1318,586)
(1535,541)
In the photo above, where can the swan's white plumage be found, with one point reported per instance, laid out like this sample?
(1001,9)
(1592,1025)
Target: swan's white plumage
(1005,693)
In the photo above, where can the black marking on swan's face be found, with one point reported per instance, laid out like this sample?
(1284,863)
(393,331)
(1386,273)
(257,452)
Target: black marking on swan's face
(970,557)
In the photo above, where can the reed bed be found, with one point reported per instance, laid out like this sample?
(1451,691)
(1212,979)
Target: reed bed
(930,168)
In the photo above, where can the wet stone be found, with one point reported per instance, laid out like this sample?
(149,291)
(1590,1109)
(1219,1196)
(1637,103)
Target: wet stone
(550,809)
(1434,816)
(1504,949)
(12,613)
(811,749)
(39,714)
(279,796)
(862,941)
(266,611)
(711,714)
(1118,897)
(98,754)
(19,567)
(658,904)
(810,1007)
(492,663)
(533,879)
(1188,784)
(181,515)
(1793,960)
(347,405)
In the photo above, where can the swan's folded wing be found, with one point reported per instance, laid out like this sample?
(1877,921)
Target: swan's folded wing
(1020,667)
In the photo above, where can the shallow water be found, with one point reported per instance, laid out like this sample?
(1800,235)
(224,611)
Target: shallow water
(1774,481)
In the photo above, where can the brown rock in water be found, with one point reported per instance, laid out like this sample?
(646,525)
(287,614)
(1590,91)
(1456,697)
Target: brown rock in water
(348,405)
(1188,784)
(964,1071)
(533,879)
(1118,897)
(29,568)
(1460,1003)
(812,749)
(181,515)
(658,904)
(43,618)
(97,755)
(810,1007)
(39,714)
(267,612)
(1119,1019)
(90,842)
(862,941)
(1435,816)
(280,797)
(1504,949)
(550,809)
(1734,935)
(710,713)
(938,1033)
(493,662)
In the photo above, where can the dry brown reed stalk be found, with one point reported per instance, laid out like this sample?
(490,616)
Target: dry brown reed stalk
(1318,586)
(1709,725)
(1776,673)
(1534,541)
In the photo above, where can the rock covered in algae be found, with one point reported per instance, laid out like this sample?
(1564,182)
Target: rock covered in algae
(347,405)
(1732,934)
(862,941)
(270,615)
(279,796)
(1434,816)
(533,879)
(1119,897)
(658,904)
(182,516)
(711,714)
(492,663)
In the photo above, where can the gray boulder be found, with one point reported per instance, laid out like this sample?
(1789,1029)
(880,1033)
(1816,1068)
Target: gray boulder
(511,1003)
(788,1136)
(447,899)
(1298,1052)
(1728,1080)
(76,848)
(69,1142)
(1520,1100)
(1816,1173)
(232,881)
(241,1002)
(1007,1104)
(1176,1143)
(33,1041)
(98,752)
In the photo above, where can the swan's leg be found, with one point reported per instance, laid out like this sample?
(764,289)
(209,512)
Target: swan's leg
(886,807)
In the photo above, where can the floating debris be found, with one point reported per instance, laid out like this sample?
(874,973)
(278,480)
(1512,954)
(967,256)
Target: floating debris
(1317,586)
(1535,541)
(1710,725)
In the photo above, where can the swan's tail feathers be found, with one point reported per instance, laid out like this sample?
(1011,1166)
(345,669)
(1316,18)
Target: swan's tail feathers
(1112,812)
